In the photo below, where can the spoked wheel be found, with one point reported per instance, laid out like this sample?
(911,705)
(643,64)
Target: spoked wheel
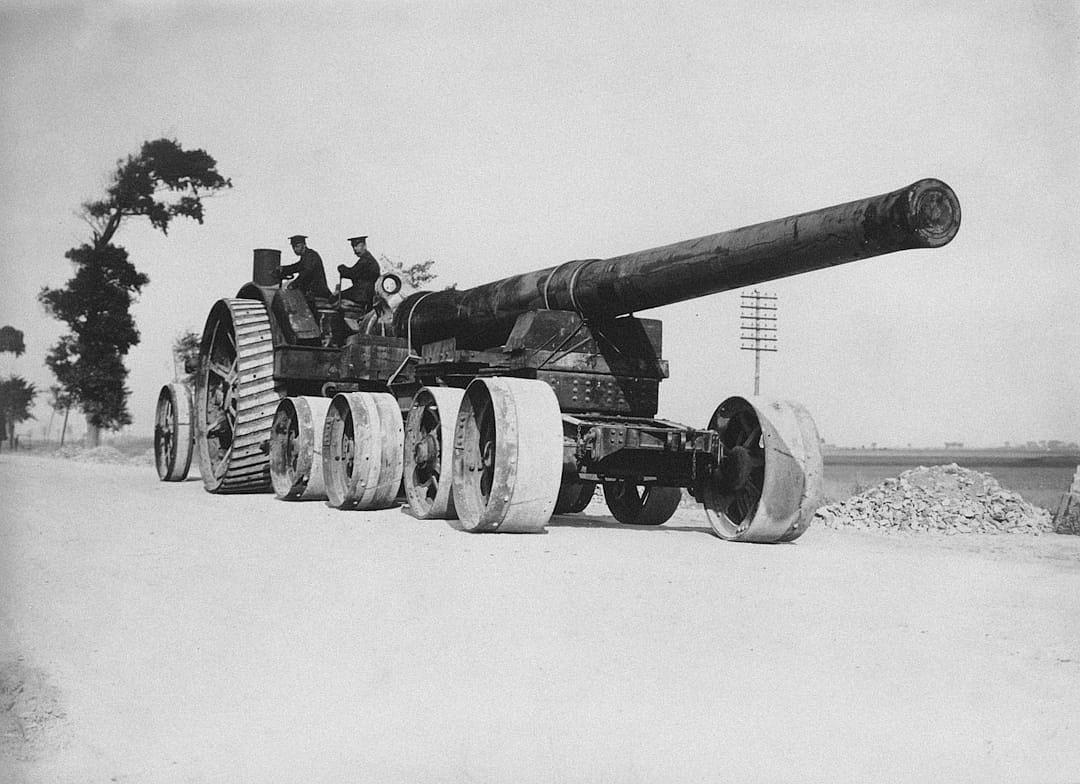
(507,455)
(429,453)
(641,504)
(235,398)
(362,450)
(768,486)
(173,437)
(574,497)
(296,437)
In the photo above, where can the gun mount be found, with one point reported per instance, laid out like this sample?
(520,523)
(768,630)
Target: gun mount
(508,402)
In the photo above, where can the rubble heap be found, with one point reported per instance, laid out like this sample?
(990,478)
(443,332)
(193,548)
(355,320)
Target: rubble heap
(102,454)
(941,499)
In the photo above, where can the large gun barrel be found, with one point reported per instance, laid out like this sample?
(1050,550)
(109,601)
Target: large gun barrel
(925,214)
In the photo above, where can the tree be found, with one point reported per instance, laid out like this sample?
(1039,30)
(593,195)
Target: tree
(415,274)
(16,397)
(186,356)
(59,400)
(11,341)
(161,182)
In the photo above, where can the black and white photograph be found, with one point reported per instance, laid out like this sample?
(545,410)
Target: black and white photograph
(558,393)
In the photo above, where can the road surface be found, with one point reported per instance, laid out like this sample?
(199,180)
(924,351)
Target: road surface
(152,632)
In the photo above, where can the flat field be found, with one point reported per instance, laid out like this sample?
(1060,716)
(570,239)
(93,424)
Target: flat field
(1040,478)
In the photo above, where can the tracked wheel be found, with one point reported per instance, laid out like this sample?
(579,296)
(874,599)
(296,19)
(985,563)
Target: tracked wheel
(768,485)
(507,455)
(174,438)
(362,450)
(429,452)
(574,496)
(235,398)
(634,504)
(296,448)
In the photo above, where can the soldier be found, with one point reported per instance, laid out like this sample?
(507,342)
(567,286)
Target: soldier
(308,269)
(364,274)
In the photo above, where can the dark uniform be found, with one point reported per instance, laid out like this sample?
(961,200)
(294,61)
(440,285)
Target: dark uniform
(309,272)
(363,274)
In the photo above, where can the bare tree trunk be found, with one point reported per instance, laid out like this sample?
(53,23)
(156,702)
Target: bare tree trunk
(63,430)
(93,435)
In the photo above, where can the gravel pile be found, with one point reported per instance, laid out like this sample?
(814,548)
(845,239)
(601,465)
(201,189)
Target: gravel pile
(944,499)
(103,454)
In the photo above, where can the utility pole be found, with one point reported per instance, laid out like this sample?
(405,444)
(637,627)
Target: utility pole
(757,325)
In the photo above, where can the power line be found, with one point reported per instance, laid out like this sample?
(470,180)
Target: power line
(757,328)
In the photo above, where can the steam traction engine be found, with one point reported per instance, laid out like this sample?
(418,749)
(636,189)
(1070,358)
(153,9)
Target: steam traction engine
(503,404)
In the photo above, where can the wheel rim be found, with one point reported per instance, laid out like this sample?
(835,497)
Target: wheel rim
(488,450)
(768,485)
(362,445)
(427,453)
(574,496)
(296,447)
(479,441)
(284,450)
(429,433)
(508,455)
(165,434)
(286,432)
(236,398)
(634,504)
(743,469)
(339,448)
(172,433)
(221,397)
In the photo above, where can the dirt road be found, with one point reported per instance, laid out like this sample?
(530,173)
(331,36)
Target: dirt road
(156,633)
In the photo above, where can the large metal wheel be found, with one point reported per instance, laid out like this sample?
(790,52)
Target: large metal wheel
(634,504)
(768,485)
(235,398)
(174,440)
(574,496)
(296,446)
(429,453)
(507,455)
(362,450)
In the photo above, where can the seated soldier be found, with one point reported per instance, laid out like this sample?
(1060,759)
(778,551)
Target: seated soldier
(364,274)
(308,269)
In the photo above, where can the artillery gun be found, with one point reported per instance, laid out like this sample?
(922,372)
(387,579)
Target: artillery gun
(505,403)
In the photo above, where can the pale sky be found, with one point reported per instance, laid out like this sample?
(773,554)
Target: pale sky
(498,138)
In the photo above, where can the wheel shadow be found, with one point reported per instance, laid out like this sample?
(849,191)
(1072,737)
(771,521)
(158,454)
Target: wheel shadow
(578,521)
(606,521)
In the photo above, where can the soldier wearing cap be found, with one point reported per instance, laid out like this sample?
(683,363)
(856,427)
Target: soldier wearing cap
(364,274)
(308,269)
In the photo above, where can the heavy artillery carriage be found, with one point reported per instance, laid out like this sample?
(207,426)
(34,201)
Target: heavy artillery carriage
(505,403)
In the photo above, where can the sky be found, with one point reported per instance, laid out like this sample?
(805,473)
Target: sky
(502,137)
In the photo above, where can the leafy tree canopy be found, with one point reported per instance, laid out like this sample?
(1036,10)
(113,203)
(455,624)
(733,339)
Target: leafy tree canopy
(162,167)
(16,396)
(415,274)
(186,350)
(11,340)
(95,304)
